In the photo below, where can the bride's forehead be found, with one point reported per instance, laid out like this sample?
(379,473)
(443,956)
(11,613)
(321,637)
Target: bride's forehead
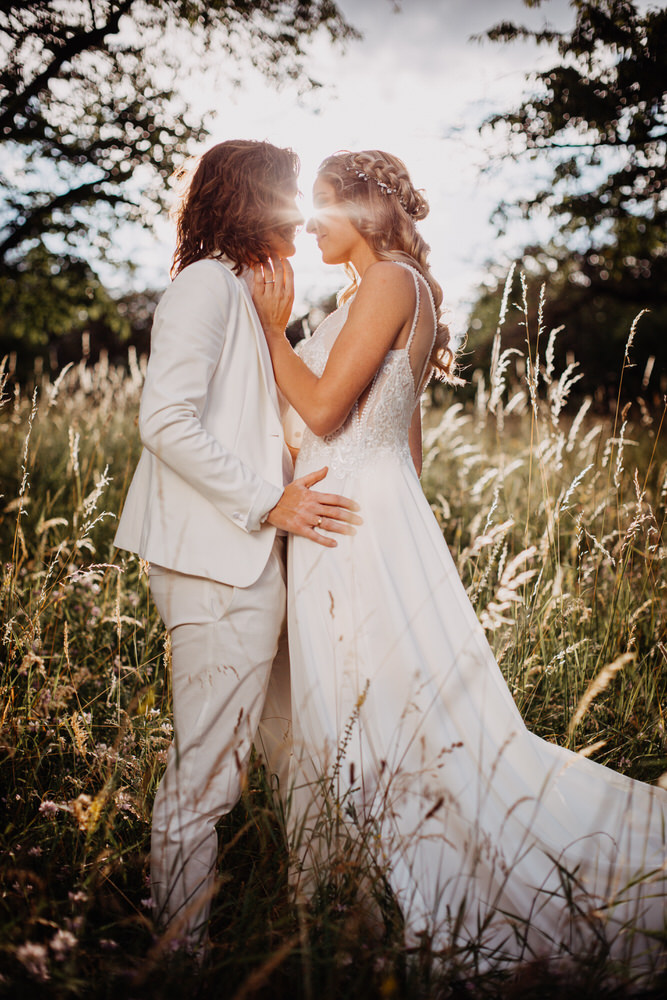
(322,187)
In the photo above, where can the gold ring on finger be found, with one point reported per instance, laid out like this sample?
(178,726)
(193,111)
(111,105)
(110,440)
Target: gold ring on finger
(318,522)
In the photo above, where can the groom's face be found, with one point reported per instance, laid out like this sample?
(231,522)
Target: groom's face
(288,218)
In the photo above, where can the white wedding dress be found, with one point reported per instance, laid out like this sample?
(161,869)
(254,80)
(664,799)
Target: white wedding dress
(405,731)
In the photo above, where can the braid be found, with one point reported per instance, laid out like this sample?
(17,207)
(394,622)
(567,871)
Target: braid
(384,206)
(392,178)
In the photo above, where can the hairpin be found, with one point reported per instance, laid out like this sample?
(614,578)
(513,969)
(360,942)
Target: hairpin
(366,177)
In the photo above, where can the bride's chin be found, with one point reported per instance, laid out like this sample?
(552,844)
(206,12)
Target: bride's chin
(328,258)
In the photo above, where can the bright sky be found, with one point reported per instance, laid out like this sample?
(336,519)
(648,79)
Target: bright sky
(415,86)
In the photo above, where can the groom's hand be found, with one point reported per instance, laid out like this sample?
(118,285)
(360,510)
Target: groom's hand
(303,511)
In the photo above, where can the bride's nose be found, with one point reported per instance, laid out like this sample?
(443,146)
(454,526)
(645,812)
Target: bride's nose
(311,225)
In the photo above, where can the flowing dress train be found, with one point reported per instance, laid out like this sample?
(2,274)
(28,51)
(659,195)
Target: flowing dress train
(404,726)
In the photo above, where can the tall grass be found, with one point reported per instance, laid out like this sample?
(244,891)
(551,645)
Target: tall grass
(555,517)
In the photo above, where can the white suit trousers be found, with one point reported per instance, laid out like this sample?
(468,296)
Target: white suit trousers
(224,644)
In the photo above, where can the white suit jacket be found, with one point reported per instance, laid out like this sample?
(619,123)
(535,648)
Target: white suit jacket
(214,460)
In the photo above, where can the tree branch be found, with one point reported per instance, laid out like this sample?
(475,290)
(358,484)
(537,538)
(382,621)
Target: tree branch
(75,196)
(73,47)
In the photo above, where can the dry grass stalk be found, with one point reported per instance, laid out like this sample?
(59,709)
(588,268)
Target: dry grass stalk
(599,684)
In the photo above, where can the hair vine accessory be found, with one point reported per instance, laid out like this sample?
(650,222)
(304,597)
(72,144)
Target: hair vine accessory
(385,188)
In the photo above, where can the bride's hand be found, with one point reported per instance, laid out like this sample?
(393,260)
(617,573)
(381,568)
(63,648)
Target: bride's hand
(273,295)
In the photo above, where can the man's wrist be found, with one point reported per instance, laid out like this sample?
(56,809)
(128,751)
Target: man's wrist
(265,501)
(265,517)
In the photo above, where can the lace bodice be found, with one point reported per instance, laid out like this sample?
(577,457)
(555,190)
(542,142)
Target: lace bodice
(380,427)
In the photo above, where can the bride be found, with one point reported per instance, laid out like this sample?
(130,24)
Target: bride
(403,724)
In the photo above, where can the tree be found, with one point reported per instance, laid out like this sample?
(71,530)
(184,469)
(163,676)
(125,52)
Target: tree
(93,125)
(593,324)
(599,117)
(90,130)
(41,299)
(55,308)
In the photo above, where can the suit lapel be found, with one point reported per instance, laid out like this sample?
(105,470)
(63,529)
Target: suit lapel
(262,347)
(260,341)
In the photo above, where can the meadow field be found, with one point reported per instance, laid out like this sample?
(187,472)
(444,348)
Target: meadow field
(555,514)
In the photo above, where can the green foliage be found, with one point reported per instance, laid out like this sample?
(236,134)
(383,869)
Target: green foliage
(90,114)
(594,300)
(607,96)
(47,296)
(54,310)
(599,119)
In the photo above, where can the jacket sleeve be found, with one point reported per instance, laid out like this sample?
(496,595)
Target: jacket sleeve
(188,336)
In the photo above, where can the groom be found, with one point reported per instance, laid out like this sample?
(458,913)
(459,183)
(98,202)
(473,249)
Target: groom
(209,506)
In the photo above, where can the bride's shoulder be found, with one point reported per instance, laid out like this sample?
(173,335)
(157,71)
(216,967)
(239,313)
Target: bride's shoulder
(388,280)
(387,272)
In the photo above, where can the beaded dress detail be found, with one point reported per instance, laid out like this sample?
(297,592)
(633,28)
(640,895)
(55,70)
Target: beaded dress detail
(380,427)
(405,729)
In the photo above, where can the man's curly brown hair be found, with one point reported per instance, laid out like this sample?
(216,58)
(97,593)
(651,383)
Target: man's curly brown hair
(233,201)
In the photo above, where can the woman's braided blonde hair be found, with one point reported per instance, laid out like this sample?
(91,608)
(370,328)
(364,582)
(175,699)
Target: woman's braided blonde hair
(384,207)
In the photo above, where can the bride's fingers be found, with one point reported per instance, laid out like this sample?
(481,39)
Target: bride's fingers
(278,273)
(284,277)
(288,273)
(258,278)
(263,277)
(270,278)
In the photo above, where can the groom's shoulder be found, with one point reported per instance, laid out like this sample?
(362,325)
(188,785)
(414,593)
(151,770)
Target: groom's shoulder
(206,280)
(207,271)
(204,290)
